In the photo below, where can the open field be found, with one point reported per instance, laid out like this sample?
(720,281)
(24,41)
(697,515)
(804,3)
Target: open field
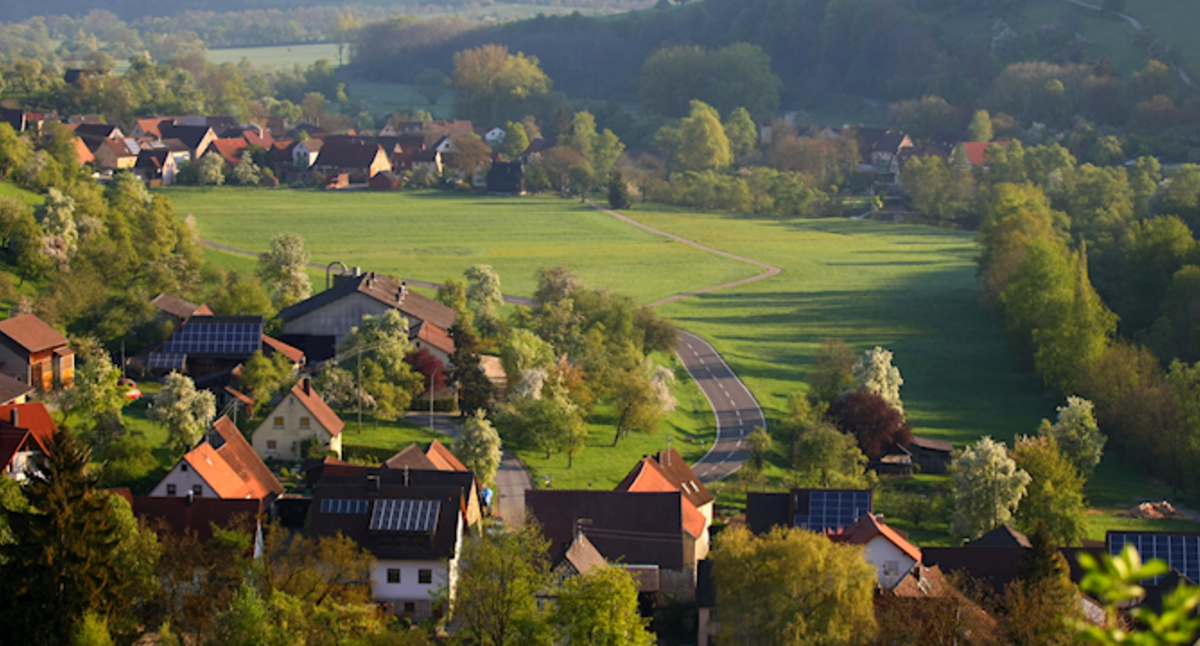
(10,190)
(278,57)
(381,97)
(434,236)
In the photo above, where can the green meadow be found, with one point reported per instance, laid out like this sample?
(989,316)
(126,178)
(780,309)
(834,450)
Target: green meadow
(276,57)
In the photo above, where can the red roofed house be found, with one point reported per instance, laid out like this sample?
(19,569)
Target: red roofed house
(299,417)
(892,555)
(427,336)
(443,459)
(25,431)
(222,466)
(976,151)
(667,472)
(229,149)
(34,353)
(183,515)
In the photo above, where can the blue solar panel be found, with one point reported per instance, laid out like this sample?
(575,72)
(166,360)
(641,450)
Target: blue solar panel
(833,509)
(197,337)
(1180,551)
(405,515)
(343,506)
(167,360)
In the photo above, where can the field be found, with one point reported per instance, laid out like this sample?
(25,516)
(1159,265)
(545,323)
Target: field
(10,190)
(381,98)
(434,236)
(278,57)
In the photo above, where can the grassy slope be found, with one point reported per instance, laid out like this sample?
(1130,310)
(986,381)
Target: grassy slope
(434,236)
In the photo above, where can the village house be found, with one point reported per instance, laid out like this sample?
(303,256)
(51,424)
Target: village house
(35,353)
(427,336)
(359,160)
(384,181)
(300,418)
(231,150)
(930,455)
(117,154)
(195,138)
(415,532)
(878,147)
(182,515)
(976,152)
(222,465)
(818,510)
(892,556)
(25,433)
(318,324)
(506,178)
(156,167)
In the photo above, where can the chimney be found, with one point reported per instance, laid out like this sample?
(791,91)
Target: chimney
(406,475)
(307,385)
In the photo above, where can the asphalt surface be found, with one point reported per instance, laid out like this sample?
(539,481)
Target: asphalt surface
(735,409)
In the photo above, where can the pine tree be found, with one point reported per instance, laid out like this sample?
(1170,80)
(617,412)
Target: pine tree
(61,562)
(618,192)
(475,389)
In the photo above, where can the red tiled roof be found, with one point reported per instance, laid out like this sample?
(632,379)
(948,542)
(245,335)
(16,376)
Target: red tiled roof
(204,310)
(868,527)
(150,126)
(31,333)
(648,477)
(977,150)
(443,459)
(435,336)
(252,138)
(33,424)
(295,355)
(233,471)
(230,149)
(412,457)
(82,151)
(676,469)
(240,396)
(311,400)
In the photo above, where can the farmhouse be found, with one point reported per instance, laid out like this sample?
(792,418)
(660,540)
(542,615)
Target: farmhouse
(384,181)
(317,325)
(34,353)
(300,417)
(117,154)
(506,178)
(360,160)
(222,465)
(25,433)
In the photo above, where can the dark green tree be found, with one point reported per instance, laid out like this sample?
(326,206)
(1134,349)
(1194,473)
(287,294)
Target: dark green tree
(618,192)
(474,387)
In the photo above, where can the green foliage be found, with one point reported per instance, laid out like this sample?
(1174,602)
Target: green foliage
(484,295)
(516,140)
(1054,496)
(126,459)
(284,269)
(736,76)
(981,126)
(601,608)
(833,371)
(241,296)
(475,389)
(525,350)
(494,86)
(742,133)
(759,444)
(91,631)
(96,397)
(262,378)
(1077,435)
(1116,581)
(827,458)
(184,410)
(500,575)
(618,192)
(988,486)
(478,446)
(699,143)
(792,587)
(210,170)
(1042,604)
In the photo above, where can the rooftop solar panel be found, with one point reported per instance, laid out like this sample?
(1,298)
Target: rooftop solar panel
(833,509)
(1180,551)
(167,360)
(343,506)
(405,515)
(206,337)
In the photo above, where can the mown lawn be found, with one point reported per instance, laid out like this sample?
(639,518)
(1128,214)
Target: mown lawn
(434,236)
(277,57)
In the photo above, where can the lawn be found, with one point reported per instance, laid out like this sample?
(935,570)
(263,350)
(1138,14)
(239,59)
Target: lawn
(434,236)
(278,57)
(381,97)
(10,190)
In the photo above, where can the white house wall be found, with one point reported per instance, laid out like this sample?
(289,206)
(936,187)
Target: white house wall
(891,563)
(290,436)
(184,477)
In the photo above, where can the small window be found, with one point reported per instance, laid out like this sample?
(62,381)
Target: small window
(410,606)
(183,467)
(278,422)
(197,490)
(305,422)
(424,576)
(393,575)
(170,490)
(271,446)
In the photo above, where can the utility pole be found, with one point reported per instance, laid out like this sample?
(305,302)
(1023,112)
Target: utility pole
(358,392)
(431,399)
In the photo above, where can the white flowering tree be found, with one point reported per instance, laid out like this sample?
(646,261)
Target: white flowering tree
(988,486)
(483,291)
(478,446)
(284,269)
(875,373)
(1077,434)
(184,410)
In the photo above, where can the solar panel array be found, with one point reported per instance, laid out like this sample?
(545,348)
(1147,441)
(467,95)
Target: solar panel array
(216,338)
(1180,551)
(405,515)
(343,506)
(834,509)
(169,360)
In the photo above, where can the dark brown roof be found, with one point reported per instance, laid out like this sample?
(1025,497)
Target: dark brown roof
(191,136)
(433,335)
(383,289)
(930,444)
(994,566)
(175,306)
(765,511)
(31,333)
(105,130)
(347,154)
(583,556)
(634,528)
(182,515)
(11,389)
(1002,536)
(412,457)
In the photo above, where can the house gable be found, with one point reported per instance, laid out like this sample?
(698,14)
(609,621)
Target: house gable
(301,415)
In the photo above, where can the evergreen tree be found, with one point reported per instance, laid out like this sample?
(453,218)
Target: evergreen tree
(618,192)
(474,387)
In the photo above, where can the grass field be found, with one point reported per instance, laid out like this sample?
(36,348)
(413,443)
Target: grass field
(278,57)
(434,236)
(387,98)
(10,190)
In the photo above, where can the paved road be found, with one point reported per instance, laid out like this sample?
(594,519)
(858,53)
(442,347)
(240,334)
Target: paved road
(736,410)
(512,478)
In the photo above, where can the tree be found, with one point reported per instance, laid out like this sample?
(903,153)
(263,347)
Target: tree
(601,608)
(792,587)
(431,369)
(743,135)
(524,351)
(1054,497)
(284,269)
(557,163)
(383,338)
(211,171)
(500,577)
(638,404)
(432,84)
(516,140)
(73,550)
(987,488)
(478,446)
(483,292)
(759,444)
(828,458)
(126,459)
(872,421)
(97,396)
(618,192)
(582,179)
(469,153)
(874,372)
(1077,435)
(1042,604)
(474,388)
(184,410)
(699,143)
(339,389)
(343,30)
(494,86)
(241,296)
(263,377)
(833,371)
(91,631)
(981,127)
(1115,582)
(57,218)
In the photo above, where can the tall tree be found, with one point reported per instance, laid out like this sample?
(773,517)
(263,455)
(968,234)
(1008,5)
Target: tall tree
(792,587)
(988,486)
(344,28)
(1077,435)
(494,86)
(284,268)
(743,135)
(833,371)
(872,421)
(874,373)
(600,608)
(1042,604)
(474,387)
(516,140)
(478,446)
(827,458)
(264,377)
(500,576)
(97,397)
(981,126)
(184,410)
(1054,497)
(483,293)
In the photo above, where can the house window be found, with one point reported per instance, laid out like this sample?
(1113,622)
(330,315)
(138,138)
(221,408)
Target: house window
(170,490)
(424,576)
(271,446)
(183,467)
(410,606)
(304,422)
(197,490)
(393,575)
(278,422)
